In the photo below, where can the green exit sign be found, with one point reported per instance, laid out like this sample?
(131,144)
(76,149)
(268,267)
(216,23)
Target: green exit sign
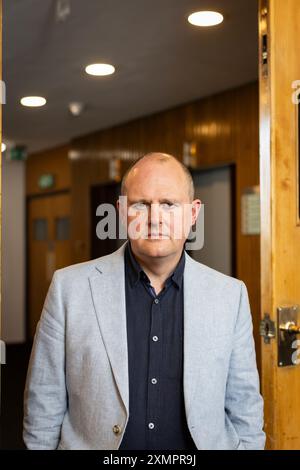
(46,181)
(18,153)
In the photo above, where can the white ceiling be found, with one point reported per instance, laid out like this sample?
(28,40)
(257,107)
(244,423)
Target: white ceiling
(161,61)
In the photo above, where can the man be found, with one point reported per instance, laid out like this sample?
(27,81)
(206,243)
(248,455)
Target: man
(145,348)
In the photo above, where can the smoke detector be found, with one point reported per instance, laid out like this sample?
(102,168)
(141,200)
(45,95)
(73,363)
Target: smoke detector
(76,108)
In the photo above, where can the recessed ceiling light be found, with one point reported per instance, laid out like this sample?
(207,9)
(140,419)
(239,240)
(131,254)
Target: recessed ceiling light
(205,18)
(100,69)
(3,147)
(33,101)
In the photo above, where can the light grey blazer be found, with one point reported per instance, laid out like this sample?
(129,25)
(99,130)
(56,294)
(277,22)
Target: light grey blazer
(77,392)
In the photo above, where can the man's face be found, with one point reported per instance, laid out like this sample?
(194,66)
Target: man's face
(159,210)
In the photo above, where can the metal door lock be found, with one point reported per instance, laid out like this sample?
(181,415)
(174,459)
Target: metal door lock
(267,329)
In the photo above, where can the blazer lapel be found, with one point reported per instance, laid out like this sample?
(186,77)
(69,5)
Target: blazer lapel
(195,324)
(108,292)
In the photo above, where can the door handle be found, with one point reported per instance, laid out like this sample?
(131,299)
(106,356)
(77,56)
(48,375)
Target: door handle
(290,327)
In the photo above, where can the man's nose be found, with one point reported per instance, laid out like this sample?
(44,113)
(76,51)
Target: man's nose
(155,214)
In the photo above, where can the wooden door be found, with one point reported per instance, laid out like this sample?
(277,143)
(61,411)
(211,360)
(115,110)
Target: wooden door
(279,55)
(48,248)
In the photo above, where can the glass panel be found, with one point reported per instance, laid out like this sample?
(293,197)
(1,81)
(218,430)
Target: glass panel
(40,229)
(62,228)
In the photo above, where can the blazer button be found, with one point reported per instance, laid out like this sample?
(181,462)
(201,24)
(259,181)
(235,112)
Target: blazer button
(117,429)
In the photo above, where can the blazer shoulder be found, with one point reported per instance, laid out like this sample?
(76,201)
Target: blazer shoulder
(212,275)
(77,269)
(87,268)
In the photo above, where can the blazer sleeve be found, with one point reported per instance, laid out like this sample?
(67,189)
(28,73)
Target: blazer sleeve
(45,396)
(243,402)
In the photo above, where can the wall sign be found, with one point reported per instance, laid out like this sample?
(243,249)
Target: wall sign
(46,181)
(250,207)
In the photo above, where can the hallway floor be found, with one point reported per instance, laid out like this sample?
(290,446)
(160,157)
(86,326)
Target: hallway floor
(13,376)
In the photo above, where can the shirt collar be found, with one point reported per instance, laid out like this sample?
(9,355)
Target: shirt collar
(136,273)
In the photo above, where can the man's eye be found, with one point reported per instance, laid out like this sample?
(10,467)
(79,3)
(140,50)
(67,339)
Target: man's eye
(139,206)
(167,205)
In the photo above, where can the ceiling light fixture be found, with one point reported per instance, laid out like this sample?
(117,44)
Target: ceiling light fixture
(100,69)
(205,18)
(33,101)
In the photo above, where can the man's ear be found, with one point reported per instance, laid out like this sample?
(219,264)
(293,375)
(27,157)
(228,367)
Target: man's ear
(196,206)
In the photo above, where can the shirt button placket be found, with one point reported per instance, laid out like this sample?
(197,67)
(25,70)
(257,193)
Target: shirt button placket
(154,360)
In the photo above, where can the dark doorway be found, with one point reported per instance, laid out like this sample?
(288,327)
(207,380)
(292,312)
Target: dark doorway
(106,193)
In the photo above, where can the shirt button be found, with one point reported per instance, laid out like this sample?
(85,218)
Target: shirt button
(117,429)
(150,425)
(155,338)
(156,301)
(154,381)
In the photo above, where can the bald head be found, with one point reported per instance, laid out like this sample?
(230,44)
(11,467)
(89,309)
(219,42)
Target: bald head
(163,159)
(160,208)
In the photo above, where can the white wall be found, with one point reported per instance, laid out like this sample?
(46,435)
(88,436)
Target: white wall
(13,251)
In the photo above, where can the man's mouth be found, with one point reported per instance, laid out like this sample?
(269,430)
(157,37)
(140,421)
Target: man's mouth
(157,235)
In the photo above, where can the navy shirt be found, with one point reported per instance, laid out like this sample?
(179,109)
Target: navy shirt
(157,419)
